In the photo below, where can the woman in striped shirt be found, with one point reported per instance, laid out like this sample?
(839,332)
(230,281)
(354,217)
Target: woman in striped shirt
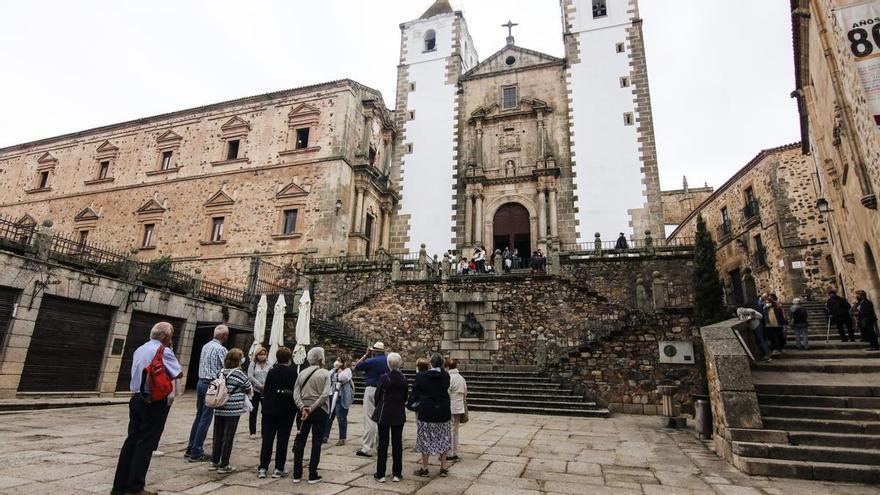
(226,417)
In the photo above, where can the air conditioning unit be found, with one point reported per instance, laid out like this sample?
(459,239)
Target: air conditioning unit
(676,352)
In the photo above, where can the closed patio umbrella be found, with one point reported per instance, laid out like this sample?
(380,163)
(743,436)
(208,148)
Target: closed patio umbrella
(276,337)
(303,337)
(259,326)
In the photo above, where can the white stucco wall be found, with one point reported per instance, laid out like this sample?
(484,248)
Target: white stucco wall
(428,170)
(609,180)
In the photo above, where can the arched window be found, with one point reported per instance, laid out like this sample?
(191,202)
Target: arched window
(430,40)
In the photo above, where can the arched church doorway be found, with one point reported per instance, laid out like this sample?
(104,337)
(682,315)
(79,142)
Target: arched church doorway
(511,229)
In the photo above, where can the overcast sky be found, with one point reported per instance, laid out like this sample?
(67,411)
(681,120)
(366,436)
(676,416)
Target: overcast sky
(720,76)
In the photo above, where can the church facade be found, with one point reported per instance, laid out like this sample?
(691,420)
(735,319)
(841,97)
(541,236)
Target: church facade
(538,150)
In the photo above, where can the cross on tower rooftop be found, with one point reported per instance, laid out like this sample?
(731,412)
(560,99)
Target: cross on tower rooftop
(510,25)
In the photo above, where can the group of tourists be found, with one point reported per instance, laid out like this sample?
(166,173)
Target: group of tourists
(510,260)
(308,399)
(769,319)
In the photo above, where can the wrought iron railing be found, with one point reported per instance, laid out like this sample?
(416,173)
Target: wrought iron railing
(88,256)
(750,211)
(274,279)
(15,235)
(333,306)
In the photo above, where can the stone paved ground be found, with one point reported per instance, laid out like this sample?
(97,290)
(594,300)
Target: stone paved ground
(73,451)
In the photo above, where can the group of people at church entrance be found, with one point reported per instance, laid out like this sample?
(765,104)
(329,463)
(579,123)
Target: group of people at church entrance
(308,400)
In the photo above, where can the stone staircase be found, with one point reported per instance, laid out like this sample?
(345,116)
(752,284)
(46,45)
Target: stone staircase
(820,409)
(336,338)
(521,392)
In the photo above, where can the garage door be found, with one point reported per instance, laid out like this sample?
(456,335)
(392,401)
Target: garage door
(138,333)
(8,297)
(67,347)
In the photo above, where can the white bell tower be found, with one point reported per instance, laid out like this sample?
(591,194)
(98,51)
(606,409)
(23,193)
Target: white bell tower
(435,50)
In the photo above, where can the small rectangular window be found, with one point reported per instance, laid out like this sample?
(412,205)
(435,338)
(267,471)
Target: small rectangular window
(412,86)
(83,237)
(409,148)
(290,221)
(232,149)
(149,232)
(412,115)
(103,169)
(166,160)
(217,229)
(628,118)
(43,179)
(599,9)
(509,98)
(302,138)
(620,47)
(624,82)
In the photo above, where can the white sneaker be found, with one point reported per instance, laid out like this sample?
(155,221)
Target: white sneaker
(261,474)
(395,479)
(381,480)
(252,436)
(278,473)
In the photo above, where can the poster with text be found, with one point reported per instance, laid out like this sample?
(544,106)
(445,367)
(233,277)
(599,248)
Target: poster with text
(861,23)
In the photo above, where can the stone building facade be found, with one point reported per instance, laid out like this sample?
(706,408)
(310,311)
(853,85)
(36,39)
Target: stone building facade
(764,222)
(514,178)
(306,171)
(840,133)
(679,203)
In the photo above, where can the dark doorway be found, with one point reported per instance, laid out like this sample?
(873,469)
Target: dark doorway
(8,297)
(736,283)
(138,334)
(511,229)
(238,337)
(368,233)
(67,347)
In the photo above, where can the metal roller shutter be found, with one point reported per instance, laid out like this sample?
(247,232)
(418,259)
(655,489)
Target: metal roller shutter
(67,347)
(138,333)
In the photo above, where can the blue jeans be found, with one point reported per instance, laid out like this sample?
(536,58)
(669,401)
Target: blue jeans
(204,415)
(800,337)
(341,415)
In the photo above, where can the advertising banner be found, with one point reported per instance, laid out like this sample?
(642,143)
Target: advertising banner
(861,23)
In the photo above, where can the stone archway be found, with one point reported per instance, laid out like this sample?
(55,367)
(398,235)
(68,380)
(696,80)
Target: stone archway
(511,228)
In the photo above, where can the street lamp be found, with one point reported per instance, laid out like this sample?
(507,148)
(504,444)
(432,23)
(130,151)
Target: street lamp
(136,295)
(823,206)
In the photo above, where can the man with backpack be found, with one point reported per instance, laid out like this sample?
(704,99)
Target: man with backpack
(154,367)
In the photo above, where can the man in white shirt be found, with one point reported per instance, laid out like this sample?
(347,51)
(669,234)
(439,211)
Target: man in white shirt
(146,416)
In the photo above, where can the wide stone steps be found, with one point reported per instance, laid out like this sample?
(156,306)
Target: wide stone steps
(846,414)
(518,392)
(822,425)
(824,353)
(829,471)
(846,440)
(807,453)
(849,365)
(872,389)
(820,401)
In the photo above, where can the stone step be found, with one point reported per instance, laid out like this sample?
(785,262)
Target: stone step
(821,425)
(833,344)
(562,395)
(852,390)
(848,414)
(809,453)
(819,401)
(845,440)
(825,471)
(584,413)
(862,365)
(819,353)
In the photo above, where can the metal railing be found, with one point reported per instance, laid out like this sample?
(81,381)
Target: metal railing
(750,211)
(334,306)
(634,246)
(274,279)
(14,235)
(88,256)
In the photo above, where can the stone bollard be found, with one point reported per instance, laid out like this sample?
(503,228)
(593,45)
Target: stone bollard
(554,267)
(395,270)
(445,267)
(597,243)
(671,418)
(649,241)
(43,240)
(197,279)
